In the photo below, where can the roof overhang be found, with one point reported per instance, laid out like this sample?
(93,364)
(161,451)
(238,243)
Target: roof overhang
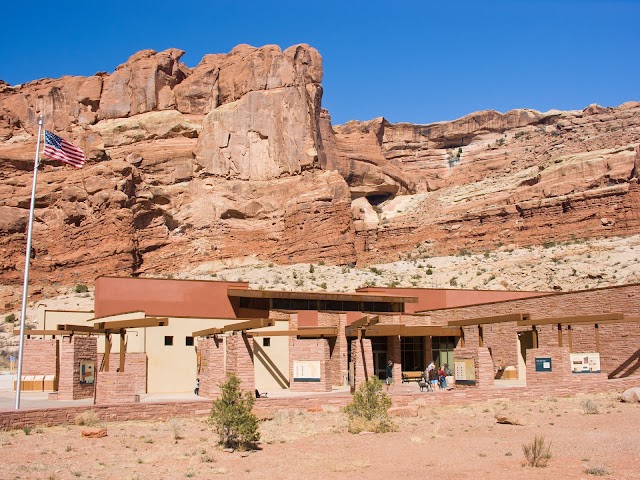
(349,297)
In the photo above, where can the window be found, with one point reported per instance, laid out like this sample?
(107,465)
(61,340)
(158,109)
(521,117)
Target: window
(168,340)
(412,350)
(188,341)
(266,342)
(443,350)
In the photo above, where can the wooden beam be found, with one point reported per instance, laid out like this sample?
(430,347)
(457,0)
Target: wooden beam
(107,350)
(480,336)
(600,318)
(207,332)
(300,332)
(570,339)
(48,332)
(431,331)
(366,321)
(249,324)
(123,334)
(134,323)
(512,317)
(384,330)
(80,328)
(559,334)
(597,329)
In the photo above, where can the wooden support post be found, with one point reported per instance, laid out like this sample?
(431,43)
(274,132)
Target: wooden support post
(123,333)
(559,334)
(107,349)
(480,336)
(535,337)
(597,338)
(569,338)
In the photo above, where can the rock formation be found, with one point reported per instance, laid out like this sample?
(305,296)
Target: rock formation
(236,157)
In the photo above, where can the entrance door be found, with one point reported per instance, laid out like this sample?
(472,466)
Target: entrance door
(525,341)
(379,349)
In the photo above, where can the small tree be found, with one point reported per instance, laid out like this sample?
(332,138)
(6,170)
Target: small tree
(81,288)
(368,410)
(231,415)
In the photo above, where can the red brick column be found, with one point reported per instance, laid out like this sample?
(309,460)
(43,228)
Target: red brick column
(240,360)
(337,346)
(362,356)
(115,387)
(212,367)
(73,349)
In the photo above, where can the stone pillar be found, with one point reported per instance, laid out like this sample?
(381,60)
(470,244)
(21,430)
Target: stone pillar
(240,360)
(485,372)
(212,365)
(310,350)
(394,353)
(362,356)
(73,350)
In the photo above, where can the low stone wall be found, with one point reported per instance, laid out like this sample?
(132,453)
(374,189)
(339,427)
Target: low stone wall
(268,406)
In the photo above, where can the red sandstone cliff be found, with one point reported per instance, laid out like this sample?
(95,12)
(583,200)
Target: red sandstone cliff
(235,157)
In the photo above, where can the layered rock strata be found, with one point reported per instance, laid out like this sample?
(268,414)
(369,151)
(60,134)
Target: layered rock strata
(235,157)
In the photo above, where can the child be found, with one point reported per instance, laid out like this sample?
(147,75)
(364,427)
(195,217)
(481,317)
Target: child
(197,389)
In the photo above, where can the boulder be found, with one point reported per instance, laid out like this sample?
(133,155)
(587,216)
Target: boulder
(631,395)
(94,432)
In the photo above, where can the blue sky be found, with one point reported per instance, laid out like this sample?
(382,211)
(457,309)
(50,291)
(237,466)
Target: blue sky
(409,61)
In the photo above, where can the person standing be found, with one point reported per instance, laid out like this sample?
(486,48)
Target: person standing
(389,379)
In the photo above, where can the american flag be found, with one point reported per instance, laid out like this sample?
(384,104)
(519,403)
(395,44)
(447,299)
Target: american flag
(59,149)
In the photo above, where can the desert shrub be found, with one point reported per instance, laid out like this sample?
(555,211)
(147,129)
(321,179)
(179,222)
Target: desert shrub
(589,407)
(538,452)
(176,430)
(597,471)
(368,409)
(323,285)
(88,418)
(231,415)
(81,288)
(10,318)
(311,268)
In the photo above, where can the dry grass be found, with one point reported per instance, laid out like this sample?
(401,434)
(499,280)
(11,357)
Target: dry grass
(538,452)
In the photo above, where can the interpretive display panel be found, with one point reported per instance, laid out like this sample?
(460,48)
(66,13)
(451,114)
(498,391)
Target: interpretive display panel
(306,371)
(87,371)
(585,362)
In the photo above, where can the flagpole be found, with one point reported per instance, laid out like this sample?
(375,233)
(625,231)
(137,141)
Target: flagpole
(26,265)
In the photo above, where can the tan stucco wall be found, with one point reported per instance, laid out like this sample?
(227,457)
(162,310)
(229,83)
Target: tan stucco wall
(272,363)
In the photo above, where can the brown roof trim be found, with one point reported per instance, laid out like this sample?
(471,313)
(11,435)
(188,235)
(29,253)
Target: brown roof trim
(238,284)
(357,297)
(543,294)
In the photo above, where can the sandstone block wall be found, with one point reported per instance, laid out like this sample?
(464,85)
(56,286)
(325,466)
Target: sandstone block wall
(212,365)
(619,350)
(311,350)
(40,357)
(240,360)
(115,387)
(337,346)
(135,363)
(73,349)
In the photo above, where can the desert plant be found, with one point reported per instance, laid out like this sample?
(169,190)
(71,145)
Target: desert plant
(538,452)
(231,415)
(26,429)
(10,318)
(589,407)
(176,430)
(88,418)
(368,409)
(81,288)
(597,471)
(312,268)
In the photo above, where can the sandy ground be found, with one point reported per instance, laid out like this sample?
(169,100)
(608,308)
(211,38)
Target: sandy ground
(452,442)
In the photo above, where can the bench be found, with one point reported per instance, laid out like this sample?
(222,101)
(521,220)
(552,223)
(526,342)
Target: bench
(411,377)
